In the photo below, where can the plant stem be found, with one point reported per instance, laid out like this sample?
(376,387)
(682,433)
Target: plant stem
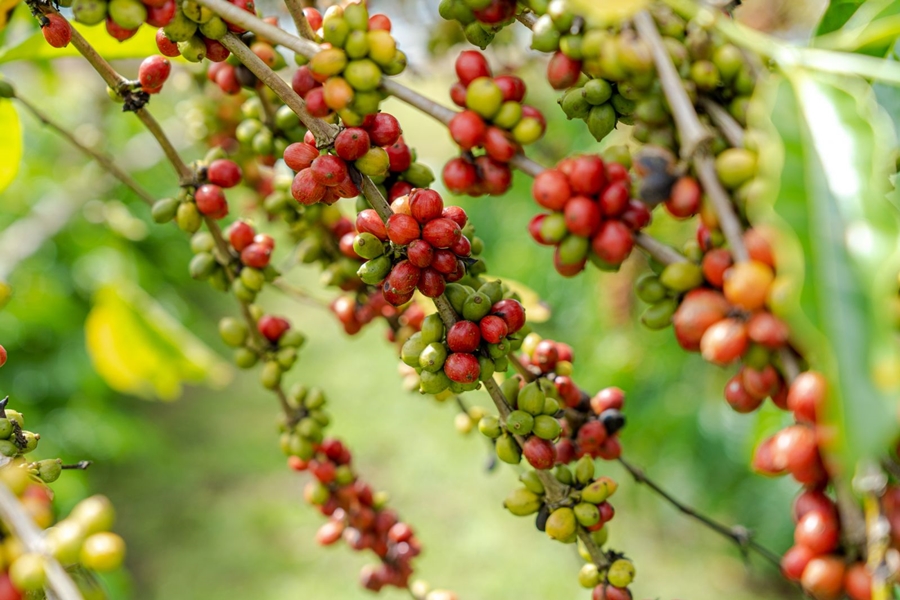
(725,123)
(324,132)
(17,520)
(738,534)
(300,20)
(103,160)
(693,136)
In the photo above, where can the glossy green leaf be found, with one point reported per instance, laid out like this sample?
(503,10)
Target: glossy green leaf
(10,143)
(139,349)
(872,30)
(34,47)
(838,248)
(836,15)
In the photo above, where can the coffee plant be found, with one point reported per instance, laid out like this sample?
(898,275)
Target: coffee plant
(743,186)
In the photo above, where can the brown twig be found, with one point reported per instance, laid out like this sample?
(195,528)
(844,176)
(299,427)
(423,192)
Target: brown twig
(731,130)
(300,20)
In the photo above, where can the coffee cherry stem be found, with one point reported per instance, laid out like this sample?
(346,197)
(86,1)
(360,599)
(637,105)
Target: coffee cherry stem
(694,137)
(730,129)
(300,21)
(14,516)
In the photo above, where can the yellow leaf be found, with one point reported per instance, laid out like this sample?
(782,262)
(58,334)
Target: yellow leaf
(139,349)
(10,143)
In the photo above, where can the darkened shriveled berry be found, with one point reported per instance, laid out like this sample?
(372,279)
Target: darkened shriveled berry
(613,420)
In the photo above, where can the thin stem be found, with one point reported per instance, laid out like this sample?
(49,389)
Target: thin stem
(14,516)
(104,161)
(730,129)
(299,294)
(693,136)
(692,133)
(662,253)
(737,533)
(300,20)
(324,132)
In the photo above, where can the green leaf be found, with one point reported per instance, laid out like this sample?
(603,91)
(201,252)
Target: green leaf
(871,30)
(836,15)
(139,349)
(10,143)
(837,248)
(34,47)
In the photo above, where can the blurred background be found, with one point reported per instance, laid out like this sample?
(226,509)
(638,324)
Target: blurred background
(204,499)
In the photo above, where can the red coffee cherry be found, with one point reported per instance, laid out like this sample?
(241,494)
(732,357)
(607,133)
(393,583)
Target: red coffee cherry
(614,199)
(315,103)
(117,31)
(3,356)
(607,592)
(810,500)
(684,200)
(272,328)
(240,235)
(399,156)
(166,46)
(455,214)
(497,11)
(513,87)
(459,175)
(379,22)
(329,170)
(715,263)
(858,582)
(431,283)
(764,460)
(608,398)
(699,310)
(562,71)
(498,145)
(462,368)
(444,261)
(256,255)
(540,454)
(806,396)
(464,336)
(582,216)
(493,329)
(404,277)
(160,16)
(402,229)
(57,31)
(760,383)
(305,189)
(462,247)
(636,215)
(468,129)
(587,175)
(425,205)
(470,65)
(739,398)
(153,72)
(591,437)
(303,81)
(224,173)
(613,242)
(352,143)
(758,247)
(420,253)
(300,155)
(545,356)
(819,531)
(724,342)
(767,330)
(823,578)
(512,312)
(568,391)
(794,562)
(567,269)
(385,130)
(368,221)
(551,190)
(211,201)
(441,233)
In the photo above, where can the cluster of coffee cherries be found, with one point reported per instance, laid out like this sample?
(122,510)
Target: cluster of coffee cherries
(480,19)
(494,120)
(360,49)
(427,248)
(594,216)
(355,312)
(203,200)
(324,176)
(472,349)
(588,507)
(81,539)
(355,513)
(266,139)
(193,31)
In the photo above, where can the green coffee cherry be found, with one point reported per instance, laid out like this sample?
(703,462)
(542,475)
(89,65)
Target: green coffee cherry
(522,502)
(508,449)
(682,276)
(532,481)
(421,176)
(489,426)
(531,399)
(574,104)
(510,389)
(649,288)
(374,163)
(8,448)
(292,338)
(601,122)
(245,358)
(735,167)
(31,441)
(129,14)
(457,294)
(164,210)
(476,307)
(202,265)
(49,470)
(545,36)
(89,12)
(27,572)
(659,316)
(589,576)
(180,28)
(551,405)
(546,427)
(621,573)
(368,246)
(564,475)
(315,399)
(433,383)
(519,422)
(215,28)
(584,470)
(188,217)
(599,491)
(412,349)
(234,332)
(432,357)
(373,272)
(6,429)
(587,514)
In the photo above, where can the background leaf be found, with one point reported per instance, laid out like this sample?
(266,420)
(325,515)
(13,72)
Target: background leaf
(34,47)
(838,262)
(836,15)
(138,348)
(10,143)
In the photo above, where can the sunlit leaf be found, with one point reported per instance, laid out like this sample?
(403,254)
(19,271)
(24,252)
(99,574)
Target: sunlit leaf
(837,248)
(34,47)
(608,12)
(139,349)
(836,15)
(10,143)
(871,30)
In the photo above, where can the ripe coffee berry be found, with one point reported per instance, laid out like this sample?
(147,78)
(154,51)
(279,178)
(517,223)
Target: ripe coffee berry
(272,328)
(425,205)
(441,233)
(385,130)
(493,329)
(540,454)
(211,201)
(224,173)
(464,336)
(420,253)
(240,235)
(3,356)
(57,31)
(153,72)
(512,312)
(256,255)
(351,143)
(329,170)
(462,368)
(403,229)
(300,155)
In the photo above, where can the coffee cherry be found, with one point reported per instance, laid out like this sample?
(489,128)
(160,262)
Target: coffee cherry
(211,201)
(551,190)
(493,329)
(794,562)
(613,242)
(507,447)
(606,399)
(306,189)
(747,284)
(103,552)
(3,356)
(587,175)
(810,500)
(700,309)
(819,531)
(402,229)
(621,573)
(224,173)
(27,571)
(459,175)
(464,336)
(512,312)
(441,233)
(608,592)
(272,328)
(57,31)
(739,398)
(425,205)
(724,342)
(352,143)
(153,72)
(582,216)
(368,221)
(522,502)
(329,170)
(806,396)
(93,514)
(240,235)
(540,453)
(823,578)
(858,582)
(403,277)
(561,524)
(256,255)
(385,130)
(467,129)
(470,65)
(462,368)
(562,71)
